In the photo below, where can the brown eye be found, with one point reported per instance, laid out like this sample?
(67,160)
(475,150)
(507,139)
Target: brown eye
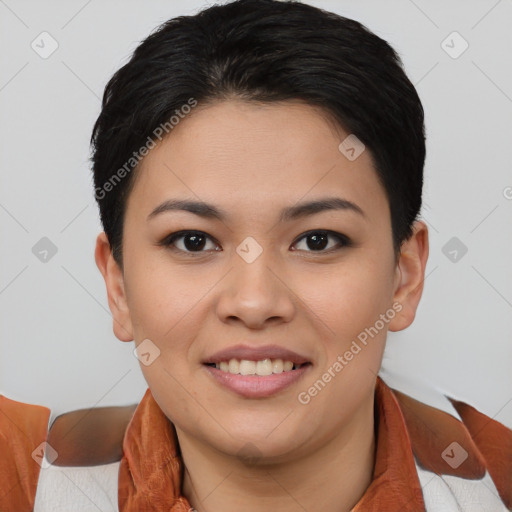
(318,241)
(189,242)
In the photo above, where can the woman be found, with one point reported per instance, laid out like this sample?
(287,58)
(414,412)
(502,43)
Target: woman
(258,169)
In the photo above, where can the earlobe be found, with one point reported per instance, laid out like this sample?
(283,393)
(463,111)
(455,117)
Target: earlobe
(410,276)
(114,282)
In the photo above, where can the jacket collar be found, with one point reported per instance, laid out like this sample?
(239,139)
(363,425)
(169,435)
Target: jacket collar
(151,469)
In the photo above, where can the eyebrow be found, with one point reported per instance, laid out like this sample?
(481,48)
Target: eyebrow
(288,214)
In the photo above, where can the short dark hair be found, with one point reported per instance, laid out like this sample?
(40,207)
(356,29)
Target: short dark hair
(263,51)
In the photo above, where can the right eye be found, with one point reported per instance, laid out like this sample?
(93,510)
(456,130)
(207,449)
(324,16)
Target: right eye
(187,242)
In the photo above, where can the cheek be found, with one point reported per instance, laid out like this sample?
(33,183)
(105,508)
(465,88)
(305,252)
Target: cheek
(344,299)
(161,298)
(171,391)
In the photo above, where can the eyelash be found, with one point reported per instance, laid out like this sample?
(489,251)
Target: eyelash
(169,240)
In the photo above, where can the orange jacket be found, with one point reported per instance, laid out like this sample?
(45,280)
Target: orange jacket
(424,457)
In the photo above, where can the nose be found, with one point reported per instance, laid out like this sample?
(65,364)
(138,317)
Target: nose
(255,294)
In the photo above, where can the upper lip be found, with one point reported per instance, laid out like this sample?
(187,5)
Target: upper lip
(256,354)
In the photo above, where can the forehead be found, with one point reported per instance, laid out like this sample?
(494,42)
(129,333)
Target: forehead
(256,157)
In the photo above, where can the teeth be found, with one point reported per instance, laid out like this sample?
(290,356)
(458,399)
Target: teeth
(287,366)
(277,366)
(261,368)
(247,367)
(234,366)
(264,367)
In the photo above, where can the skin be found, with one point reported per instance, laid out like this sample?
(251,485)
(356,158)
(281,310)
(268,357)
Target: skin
(253,160)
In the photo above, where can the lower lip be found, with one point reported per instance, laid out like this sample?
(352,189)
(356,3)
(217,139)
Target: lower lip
(255,386)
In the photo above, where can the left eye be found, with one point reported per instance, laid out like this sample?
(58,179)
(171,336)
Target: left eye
(197,241)
(318,240)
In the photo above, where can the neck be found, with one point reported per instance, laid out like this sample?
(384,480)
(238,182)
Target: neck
(331,477)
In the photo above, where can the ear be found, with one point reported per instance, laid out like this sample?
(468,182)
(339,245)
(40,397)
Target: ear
(114,281)
(410,275)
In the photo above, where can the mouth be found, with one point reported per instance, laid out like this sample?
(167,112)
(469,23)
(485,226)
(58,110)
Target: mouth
(250,383)
(256,372)
(260,368)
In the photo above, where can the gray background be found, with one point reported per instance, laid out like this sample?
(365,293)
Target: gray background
(57,347)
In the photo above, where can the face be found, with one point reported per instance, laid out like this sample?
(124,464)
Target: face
(321,283)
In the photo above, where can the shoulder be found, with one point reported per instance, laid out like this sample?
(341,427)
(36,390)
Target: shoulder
(461,458)
(88,446)
(89,437)
(23,429)
(85,444)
